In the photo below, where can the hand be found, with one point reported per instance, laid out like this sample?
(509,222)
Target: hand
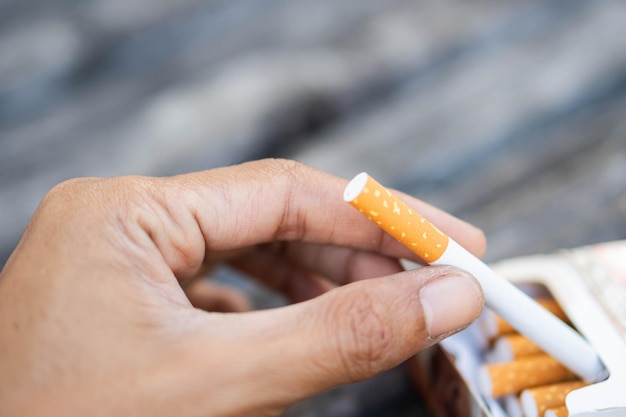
(94,319)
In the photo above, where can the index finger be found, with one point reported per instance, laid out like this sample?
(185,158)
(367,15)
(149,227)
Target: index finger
(269,200)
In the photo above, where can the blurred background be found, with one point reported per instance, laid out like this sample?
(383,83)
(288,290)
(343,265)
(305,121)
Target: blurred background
(509,114)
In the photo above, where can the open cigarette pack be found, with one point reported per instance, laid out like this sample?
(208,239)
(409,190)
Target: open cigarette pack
(489,370)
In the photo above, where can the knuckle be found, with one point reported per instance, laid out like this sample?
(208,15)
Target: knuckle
(69,195)
(67,188)
(288,175)
(81,199)
(284,167)
(90,190)
(364,338)
(130,212)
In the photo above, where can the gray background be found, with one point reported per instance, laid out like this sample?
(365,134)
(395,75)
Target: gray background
(509,114)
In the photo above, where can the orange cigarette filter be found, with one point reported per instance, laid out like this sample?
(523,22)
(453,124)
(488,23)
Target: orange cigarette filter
(399,220)
(557,412)
(536,401)
(514,346)
(497,380)
(501,326)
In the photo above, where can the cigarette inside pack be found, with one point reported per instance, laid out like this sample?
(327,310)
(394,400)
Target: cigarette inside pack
(490,370)
(527,381)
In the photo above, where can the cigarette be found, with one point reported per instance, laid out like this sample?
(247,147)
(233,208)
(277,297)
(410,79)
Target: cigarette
(556,412)
(514,346)
(536,401)
(434,247)
(493,325)
(497,380)
(512,406)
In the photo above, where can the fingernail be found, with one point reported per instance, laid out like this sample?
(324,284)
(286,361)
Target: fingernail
(450,303)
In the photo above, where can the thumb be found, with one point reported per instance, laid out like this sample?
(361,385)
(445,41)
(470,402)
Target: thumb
(362,329)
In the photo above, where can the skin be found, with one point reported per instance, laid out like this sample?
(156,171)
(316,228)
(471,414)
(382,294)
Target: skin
(101,311)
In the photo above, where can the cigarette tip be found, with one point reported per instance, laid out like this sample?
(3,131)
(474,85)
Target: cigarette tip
(354,187)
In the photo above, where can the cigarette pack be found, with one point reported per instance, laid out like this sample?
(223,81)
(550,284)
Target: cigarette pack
(488,370)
